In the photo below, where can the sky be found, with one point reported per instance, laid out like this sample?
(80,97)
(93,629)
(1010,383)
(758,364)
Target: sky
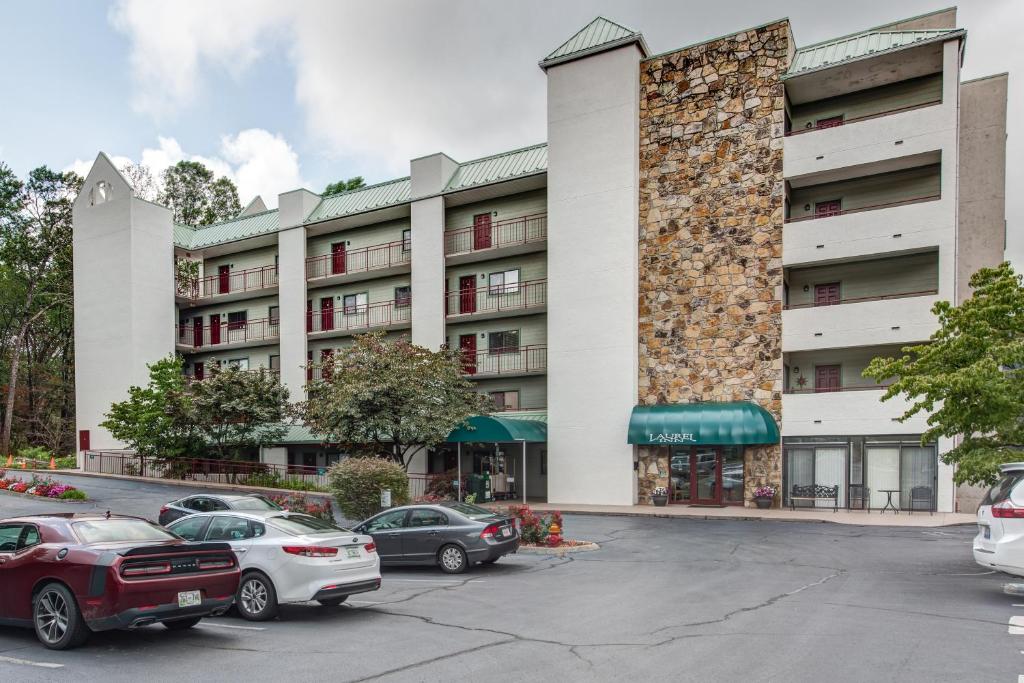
(280,94)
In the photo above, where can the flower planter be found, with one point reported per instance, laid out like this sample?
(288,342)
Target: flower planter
(763,503)
(659,501)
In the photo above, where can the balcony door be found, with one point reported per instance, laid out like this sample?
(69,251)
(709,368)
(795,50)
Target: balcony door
(467,294)
(327,313)
(337,258)
(223,279)
(826,378)
(829,207)
(215,328)
(482,231)
(197,331)
(467,347)
(826,294)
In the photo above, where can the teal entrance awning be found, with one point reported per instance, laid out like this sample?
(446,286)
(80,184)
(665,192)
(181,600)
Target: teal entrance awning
(702,424)
(491,429)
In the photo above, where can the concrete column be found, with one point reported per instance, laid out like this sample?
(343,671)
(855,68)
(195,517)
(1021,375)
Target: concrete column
(293,208)
(428,177)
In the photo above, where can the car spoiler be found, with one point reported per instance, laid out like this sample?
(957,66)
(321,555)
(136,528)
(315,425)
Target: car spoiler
(174,549)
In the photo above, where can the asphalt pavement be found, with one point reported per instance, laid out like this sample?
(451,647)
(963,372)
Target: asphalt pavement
(663,599)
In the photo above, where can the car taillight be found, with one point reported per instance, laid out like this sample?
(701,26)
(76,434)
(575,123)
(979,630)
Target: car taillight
(163,509)
(219,563)
(310,550)
(489,531)
(1006,509)
(370,547)
(149,569)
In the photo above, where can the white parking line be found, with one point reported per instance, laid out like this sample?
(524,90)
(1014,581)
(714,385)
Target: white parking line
(240,628)
(1016,627)
(29,662)
(456,581)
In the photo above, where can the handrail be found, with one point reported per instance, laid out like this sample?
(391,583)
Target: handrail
(487,299)
(854,300)
(854,387)
(871,207)
(361,260)
(249,279)
(866,117)
(226,332)
(509,232)
(380,314)
(513,360)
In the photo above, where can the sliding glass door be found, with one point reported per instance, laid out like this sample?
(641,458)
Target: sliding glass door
(918,472)
(883,472)
(819,465)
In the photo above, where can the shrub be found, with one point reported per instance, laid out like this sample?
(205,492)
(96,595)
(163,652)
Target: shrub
(73,494)
(356,484)
(274,480)
(35,453)
(533,528)
(297,503)
(67,462)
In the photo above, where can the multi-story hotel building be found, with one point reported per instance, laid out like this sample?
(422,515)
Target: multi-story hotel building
(683,284)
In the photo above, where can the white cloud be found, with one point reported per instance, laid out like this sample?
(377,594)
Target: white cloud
(258,161)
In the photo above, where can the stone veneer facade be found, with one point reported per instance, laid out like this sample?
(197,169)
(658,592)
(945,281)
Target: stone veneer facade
(711,216)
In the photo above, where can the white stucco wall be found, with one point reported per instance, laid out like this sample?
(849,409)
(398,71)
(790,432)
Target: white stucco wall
(428,272)
(593,157)
(291,242)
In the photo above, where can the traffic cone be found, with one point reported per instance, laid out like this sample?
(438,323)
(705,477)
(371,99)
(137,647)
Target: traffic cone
(53,463)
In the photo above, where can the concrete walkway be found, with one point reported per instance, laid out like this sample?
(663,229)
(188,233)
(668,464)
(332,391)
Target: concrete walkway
(857,517)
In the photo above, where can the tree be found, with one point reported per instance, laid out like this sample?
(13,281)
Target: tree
(391,398)
(353,183)
(969,377)
(141,179)
(191,192)
(357,484)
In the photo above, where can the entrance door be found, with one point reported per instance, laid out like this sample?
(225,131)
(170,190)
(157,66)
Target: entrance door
(482,231)
(197,331)
(467,294)
(337,258)
(680,479)
(827,294)
(215,328)
(327,313)
(695,475)
(223,279)
(467,346)
(826,378)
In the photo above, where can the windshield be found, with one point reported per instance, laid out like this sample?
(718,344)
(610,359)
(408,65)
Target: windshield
(472,511)
(1001,491)
(116,530)
(304,525)
(254,503)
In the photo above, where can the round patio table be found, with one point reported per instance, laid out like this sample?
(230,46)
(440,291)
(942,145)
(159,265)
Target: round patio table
(888,501)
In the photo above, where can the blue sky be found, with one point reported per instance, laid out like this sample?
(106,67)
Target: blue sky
(278,94)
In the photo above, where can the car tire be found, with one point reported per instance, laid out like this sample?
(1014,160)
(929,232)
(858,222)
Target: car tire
(51,605)
(181,624)
(333,602)
(452,559)
(256,598)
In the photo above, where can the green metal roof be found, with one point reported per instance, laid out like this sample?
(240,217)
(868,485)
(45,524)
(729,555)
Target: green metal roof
(364,199)
(597,36)
(721,424)
(227,231)
(847,48)
(492,429)
(505,166)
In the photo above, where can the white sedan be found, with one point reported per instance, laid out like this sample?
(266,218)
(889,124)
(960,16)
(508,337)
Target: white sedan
(287,557)
(1000,540)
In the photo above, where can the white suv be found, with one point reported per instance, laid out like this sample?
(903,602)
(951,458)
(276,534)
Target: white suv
(287,557)
(1000,540)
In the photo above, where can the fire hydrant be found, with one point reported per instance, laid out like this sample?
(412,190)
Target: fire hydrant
(554,535)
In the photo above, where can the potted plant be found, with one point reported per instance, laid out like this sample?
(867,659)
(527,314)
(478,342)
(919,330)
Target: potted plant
(763,496)
(659,496)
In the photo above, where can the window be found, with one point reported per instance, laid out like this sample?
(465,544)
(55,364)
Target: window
(100,193)
(275,363)
(505,282)
(506,341)
(255,503)
(227,528)
(116,530)
(237,320)
(9,534)
(505,400)
(389,520)
(238,363)
(355,303)
(421,518)
(406,239)
(181,328)
(29,537)
(304,525)
(190,529)
(403,296)
(274,314)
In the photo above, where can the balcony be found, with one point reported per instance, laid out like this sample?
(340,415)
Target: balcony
(855,411)
(513,236)
(192,338)
(229,285)
(892,319)
(379,260)
(338,322)
(829,213)
(506,362)
(274,373)
(500,301)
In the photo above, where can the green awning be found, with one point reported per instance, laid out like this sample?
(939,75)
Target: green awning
(702,424)
(491,429)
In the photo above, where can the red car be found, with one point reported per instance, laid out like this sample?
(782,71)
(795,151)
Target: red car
(67,575)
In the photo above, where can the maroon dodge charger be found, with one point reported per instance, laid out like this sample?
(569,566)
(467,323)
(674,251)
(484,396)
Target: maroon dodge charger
(67,575)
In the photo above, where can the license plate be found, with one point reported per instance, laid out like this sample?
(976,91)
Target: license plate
(190,598)
(352,553)
(505,531)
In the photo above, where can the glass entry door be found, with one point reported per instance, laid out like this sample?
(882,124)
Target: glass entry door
(695,475)
(680,479)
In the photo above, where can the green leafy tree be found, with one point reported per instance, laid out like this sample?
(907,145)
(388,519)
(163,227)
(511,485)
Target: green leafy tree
(345,185)
(391,398)
(969,377)
(191,192)
(357,483)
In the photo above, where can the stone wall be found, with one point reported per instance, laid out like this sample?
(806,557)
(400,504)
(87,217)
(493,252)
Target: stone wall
(652,471)
(711,215)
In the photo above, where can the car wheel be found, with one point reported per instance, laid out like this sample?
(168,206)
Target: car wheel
(333,602)
(256,598)
(452,559)
(181,624)
(58,621)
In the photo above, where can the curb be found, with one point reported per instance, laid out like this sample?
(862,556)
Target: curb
(191,484)
(744,518)
(46,498)
(543,550)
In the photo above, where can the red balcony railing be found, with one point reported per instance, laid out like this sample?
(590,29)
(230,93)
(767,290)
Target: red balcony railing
(505,233)
(276,374)
(376,257)
(855,300)
(506,361)
(871,207)
(360,317)
(830,390)
(524,295)
(866,117)
(248,280)
(224,333)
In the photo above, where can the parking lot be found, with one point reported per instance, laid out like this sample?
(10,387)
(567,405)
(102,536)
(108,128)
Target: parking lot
(667,599)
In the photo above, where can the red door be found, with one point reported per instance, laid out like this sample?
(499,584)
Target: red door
(325,362)
(215,328)
(482,231)
(309,365)
(223,279)
(467,347)
(827,294)
(309,315)
(467,294)
(337,258)
(826,378)
(327,313)
(830,122)
(197,331)
(831,207)
(197,371)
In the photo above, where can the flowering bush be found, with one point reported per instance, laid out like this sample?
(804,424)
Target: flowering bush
(44,488)
(659,491)
(18,487)
(428,499)
(764,492)
(535,528)
(313,507)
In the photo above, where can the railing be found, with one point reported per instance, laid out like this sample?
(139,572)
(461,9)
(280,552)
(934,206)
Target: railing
(855,300)
(829,390)
(251,279)
(511,232)
(524,295)
(506,361)
(872,207)
(276,374)
(361,317)
(376,257)
(224,333)
(866,117)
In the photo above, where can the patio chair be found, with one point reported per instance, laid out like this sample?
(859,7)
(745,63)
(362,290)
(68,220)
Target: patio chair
(919,495)
(859,498)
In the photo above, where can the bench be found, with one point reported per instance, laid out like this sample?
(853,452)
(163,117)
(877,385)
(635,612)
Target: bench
(814,492)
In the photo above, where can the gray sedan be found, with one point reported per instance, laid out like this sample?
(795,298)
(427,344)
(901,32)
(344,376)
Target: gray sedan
(452,535)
